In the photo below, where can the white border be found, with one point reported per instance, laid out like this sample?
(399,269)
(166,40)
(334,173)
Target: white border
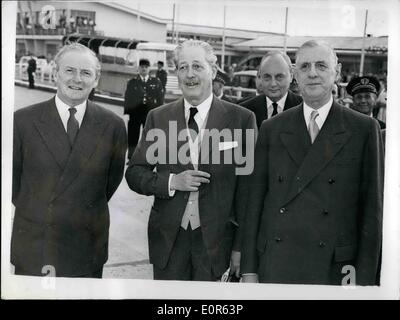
(17,287)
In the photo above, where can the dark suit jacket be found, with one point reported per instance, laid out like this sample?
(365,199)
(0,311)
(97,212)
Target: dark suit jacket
(315,208)
(221,202)
(163,76)
(136,90)
(61,216)
(258,105)
(382,124)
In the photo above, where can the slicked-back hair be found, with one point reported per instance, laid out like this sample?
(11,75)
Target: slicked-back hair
(210,56)
(75,46)
(275,53)
(318,43)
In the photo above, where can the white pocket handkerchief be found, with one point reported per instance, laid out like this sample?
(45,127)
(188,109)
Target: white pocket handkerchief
(227,145)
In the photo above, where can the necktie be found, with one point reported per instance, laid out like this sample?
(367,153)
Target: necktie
(72,126)
(313,128)
(275,106)
(192,124)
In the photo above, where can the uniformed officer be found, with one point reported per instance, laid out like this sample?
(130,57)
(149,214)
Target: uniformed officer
(364,91)
(218,85)
(142,94)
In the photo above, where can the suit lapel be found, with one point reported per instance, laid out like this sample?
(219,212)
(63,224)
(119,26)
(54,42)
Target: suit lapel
(330,140)
(89,135)
(296,138)
(53,133)
(288,101)
(261,111)
(218,119)
(177,113)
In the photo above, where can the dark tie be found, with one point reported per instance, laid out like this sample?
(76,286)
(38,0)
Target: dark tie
(72,126)
(275,106)
(192,124)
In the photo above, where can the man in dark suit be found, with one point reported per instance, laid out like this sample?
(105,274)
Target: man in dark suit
(218,85)
(315,196)
(68,160)
(193,225)
(364,91)
(31,72)
(274,76)
(142,94)
(162,75)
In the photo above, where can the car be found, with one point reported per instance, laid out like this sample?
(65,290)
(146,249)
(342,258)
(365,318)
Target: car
(244,84)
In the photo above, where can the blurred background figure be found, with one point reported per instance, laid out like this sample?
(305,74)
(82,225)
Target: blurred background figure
(162,75)
(365,92)
(142,94)
(218,85)
(31,72)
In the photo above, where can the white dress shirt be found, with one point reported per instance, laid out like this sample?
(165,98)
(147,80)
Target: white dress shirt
(322,113)
(63,111)
(280,102)
(194,146)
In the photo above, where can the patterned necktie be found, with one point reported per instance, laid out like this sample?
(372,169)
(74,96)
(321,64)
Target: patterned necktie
(192,124)
(72,126)
(313,128)
(275,106)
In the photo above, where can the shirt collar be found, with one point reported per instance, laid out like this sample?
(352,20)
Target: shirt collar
(202,108)
(79,107)
(322,112)
(280,102)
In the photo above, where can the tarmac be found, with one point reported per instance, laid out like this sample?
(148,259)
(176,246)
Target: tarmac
(129,211)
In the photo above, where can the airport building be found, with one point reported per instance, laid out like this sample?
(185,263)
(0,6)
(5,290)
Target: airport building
(40,31)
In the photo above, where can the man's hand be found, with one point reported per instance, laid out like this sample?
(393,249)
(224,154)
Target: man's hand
(189,180)
(250,278)
(235,263)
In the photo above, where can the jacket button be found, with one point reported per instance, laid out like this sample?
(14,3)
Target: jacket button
(298,178)
(282,210)
(280,178)
(325,212)
(277,239)
(331,181)
(322,244)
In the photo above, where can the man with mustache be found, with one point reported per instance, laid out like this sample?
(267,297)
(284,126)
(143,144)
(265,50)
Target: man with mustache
(193,228)
(315,196)
(68,160)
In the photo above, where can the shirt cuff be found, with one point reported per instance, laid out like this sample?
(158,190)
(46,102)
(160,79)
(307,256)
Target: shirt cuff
(249,274)
(170,192)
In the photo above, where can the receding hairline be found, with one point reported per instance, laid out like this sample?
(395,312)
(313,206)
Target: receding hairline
(315,44)
(209,53)
(76,47)
(276,53)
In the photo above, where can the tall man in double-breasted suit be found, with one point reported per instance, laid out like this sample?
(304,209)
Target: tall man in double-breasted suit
(143,93)
(274,77)
(68,160)
(199,199)
(315,196)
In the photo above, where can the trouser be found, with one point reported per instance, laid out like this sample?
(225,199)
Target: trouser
(189,259)
(135,121)
(31,79)
(95,274)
